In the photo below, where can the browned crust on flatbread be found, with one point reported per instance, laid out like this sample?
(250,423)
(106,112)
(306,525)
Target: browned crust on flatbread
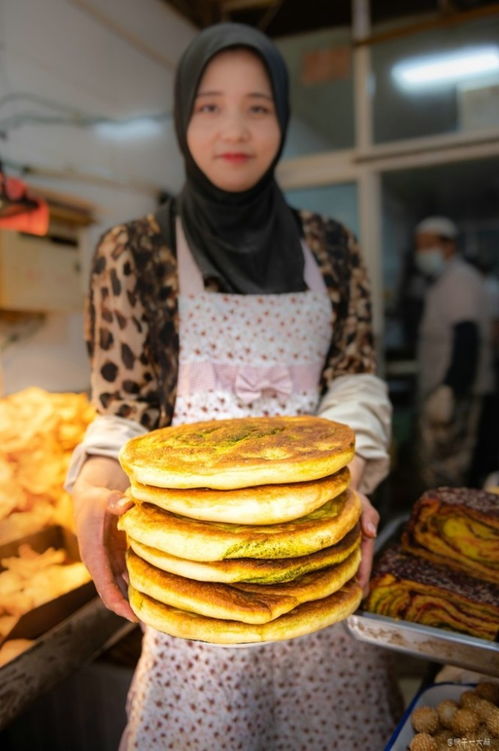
(253,570)
(238,453)
(249,603)
(211,541)
(263,504)
(305,619)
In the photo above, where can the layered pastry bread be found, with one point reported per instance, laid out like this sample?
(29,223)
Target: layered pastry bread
(414,589)
(458,527)
(242,530)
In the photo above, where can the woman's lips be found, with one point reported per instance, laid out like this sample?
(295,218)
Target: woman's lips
(235,157)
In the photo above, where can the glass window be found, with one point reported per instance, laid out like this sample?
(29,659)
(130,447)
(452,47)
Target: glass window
(437,81)
(336,201)
(320,67)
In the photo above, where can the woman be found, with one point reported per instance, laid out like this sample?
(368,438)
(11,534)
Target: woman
(227,304)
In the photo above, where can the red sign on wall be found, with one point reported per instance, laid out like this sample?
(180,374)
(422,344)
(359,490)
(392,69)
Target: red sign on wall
(327,64)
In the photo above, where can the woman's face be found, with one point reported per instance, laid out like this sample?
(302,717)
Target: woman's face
(233,134)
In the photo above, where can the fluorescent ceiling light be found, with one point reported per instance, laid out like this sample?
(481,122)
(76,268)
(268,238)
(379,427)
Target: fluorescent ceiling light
(128,130)
(438,70)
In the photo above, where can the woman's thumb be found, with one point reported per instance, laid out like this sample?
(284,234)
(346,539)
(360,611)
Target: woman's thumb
(117,502)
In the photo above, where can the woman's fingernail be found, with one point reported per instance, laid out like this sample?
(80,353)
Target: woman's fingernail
(371,529)
(118,501)
(114,496)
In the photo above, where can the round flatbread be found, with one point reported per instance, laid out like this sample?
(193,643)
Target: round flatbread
(253,570)
(239,453)
(263,504)
(248,603)
(212,541)
(305,619)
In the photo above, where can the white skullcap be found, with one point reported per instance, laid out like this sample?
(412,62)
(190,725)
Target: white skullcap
(439,225)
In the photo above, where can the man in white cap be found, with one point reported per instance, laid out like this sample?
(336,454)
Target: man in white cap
(454,354)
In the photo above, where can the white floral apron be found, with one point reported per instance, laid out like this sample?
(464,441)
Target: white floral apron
(243,355)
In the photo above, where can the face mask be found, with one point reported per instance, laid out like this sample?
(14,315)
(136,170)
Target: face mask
(431,262)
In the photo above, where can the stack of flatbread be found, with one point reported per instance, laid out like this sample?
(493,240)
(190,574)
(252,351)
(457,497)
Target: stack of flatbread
(242,530)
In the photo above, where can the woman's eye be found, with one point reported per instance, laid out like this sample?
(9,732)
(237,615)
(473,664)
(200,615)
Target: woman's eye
(206,108)
(260,109)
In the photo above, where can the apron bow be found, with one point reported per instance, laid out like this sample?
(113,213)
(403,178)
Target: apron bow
(251,383)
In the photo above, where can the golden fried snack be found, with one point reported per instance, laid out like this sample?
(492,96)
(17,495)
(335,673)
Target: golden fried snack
(423,742)
(11,648)
(488,690)
(425,720)
(483,708)
(7,623)
(492,721)
(464,722)
(442,739)
(484,739)
(38,432)
(30,579)
(473,722)
(470,700)
(446,711)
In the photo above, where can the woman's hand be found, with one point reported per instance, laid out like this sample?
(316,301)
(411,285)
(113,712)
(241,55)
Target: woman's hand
(102,546)
(369,525)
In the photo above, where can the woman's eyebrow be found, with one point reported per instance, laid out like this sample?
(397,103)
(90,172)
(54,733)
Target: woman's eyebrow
(258,94)
(208,93)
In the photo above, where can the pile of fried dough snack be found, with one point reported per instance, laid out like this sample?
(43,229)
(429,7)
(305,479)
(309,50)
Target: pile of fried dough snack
(38,432)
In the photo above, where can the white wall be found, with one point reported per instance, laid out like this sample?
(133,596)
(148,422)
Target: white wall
(110,58)
(57,50)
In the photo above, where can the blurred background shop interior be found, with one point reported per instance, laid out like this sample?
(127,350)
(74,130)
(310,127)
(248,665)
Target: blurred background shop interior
(395,118)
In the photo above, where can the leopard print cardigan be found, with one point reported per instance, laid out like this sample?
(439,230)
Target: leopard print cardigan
(131,316)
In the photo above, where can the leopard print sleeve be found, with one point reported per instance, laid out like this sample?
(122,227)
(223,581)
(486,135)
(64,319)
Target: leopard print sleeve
(337,253)
(123,377)
(353,342)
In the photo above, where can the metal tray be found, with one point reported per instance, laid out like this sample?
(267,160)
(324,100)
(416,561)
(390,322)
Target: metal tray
(434,644)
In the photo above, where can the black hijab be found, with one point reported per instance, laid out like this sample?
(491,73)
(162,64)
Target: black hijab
(249,241)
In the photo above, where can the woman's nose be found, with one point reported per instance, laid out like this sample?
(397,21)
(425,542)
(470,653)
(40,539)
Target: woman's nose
(234,128)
